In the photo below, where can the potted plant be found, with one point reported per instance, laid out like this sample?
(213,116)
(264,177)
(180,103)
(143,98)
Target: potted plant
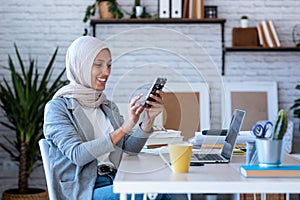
(296,106)
(269,150)
(244,21)
(108,9)
(138,9)
(22,100)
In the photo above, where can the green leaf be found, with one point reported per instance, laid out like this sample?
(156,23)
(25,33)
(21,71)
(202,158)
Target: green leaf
(90,11)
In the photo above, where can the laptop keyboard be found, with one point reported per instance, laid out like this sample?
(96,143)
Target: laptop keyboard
(209,157)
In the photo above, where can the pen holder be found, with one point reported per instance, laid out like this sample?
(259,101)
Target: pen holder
(269,152)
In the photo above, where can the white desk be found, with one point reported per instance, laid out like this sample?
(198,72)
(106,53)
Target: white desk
(147,173)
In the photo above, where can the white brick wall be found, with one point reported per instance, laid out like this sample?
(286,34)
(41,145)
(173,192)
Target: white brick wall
(39,27)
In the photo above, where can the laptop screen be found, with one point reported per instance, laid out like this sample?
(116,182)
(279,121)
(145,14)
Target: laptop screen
(233,131)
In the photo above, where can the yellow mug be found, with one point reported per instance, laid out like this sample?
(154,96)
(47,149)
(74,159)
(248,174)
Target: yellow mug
(180,155)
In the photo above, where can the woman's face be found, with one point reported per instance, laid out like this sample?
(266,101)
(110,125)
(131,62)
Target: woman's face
(101,70)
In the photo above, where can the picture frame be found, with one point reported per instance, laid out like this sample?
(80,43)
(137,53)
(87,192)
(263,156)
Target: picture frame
(258,99)
(211,12)
(180,101)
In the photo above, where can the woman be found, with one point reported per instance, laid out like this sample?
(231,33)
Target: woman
(86,133)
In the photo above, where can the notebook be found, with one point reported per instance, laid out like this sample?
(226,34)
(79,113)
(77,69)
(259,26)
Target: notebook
(228,145)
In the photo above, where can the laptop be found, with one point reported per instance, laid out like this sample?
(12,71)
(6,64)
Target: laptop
(228,145)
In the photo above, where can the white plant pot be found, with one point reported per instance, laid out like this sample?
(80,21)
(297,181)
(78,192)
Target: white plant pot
(244,23)
(139,11)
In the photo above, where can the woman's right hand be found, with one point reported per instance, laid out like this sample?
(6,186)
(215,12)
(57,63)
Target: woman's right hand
(134,114)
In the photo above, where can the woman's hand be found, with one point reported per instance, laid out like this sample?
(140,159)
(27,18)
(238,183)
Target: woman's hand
(156,108)
(134,114)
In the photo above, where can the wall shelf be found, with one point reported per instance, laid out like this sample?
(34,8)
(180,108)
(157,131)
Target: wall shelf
(218,21)
(259,49)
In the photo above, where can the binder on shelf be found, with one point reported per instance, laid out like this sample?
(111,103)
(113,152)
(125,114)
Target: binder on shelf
(197,9)
(176,8)
(164,9)
(190,5)
(185,13)
(280,171)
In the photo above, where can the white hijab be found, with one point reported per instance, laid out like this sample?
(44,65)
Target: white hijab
(79,61)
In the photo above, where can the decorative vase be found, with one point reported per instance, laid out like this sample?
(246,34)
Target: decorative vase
(104,10)
(269,152)
(33,194)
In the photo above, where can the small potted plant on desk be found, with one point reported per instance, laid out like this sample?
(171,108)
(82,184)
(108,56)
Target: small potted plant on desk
(22,100)
(269,150)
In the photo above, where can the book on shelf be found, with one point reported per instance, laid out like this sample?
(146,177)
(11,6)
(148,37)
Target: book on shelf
(272,36)
(267,34)
(193,9)
(185,13)
(280,171)
(198,6)
(261,35)
(273,32)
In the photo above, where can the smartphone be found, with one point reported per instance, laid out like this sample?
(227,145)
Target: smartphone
(158,84)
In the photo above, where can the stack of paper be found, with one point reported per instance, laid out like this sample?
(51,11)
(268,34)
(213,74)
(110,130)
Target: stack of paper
(164,137)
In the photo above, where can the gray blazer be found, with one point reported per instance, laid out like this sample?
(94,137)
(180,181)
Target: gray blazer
(73,151)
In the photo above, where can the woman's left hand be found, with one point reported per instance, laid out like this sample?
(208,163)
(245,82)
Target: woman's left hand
(151,113)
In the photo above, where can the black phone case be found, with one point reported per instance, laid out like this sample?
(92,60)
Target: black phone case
(157,85)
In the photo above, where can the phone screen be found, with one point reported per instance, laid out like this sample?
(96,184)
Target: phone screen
(158,84)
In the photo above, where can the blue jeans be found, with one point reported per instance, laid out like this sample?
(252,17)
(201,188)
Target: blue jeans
(103,190)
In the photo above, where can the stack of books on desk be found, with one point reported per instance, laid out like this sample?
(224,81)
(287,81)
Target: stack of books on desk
(280,171)
(163,138)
